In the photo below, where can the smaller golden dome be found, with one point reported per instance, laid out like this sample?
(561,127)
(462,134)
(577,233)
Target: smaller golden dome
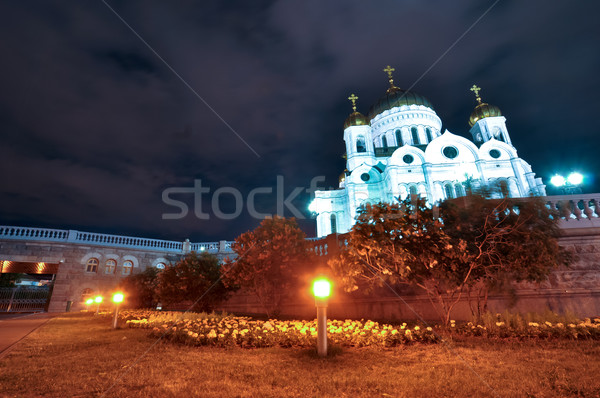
(483,110)
(355,119)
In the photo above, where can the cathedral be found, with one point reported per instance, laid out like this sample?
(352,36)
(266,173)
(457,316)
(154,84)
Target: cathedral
(399,149)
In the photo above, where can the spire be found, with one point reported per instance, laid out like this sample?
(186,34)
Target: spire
(388,69)
(353,98)
(476,90)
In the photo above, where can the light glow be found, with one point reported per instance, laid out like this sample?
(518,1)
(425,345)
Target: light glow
(118,297)
(98,299)
(321,288)
(558,181)
(575,178)
(89,301)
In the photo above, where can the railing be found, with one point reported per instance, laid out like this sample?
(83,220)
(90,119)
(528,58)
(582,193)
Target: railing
(578,210)
(91,238)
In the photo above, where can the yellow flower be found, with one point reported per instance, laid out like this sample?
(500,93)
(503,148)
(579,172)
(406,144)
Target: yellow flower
(394,332)
(417,328)
(212,334)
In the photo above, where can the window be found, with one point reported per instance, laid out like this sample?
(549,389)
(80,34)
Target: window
(459,190)
(92,265)
(127,266)
(448,189)
(384,141)
(333,220)
(412,190)
(360,144)
(495,153)
(450,152)
(160,266)
(86,294)
(415,135)
(428,132)
(398,138)
(408,159)
(110,267)
(365,177)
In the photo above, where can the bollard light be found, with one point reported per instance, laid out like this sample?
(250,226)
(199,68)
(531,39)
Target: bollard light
(98,300)
(117,299)
(321,291)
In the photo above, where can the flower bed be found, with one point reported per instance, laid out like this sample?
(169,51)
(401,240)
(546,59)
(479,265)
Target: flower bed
(516,327)
(223,331)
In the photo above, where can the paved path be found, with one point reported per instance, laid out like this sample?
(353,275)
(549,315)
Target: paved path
(14,327)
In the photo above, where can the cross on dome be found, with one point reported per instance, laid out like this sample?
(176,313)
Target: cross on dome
(353,98)
(388,69)
(476,89)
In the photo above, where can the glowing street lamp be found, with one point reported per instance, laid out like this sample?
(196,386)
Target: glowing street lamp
(321,291)
(89,302)
(570,184)
(117,299)
(98,300)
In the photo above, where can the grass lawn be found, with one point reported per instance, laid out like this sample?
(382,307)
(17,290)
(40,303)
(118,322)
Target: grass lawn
(77,355)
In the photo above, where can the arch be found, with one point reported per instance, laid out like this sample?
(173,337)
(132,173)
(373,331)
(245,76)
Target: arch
(160,260)
(360,144)
(399,138)
(127,267)
(415,135)
(429,136)
(384,142)
(92,265)
(110,266)
(448,191)
(412,189)
(133,260)
(459,189)
(333,221)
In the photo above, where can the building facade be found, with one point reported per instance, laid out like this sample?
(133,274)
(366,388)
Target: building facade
(399,149)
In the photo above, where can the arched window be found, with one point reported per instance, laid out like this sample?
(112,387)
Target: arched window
(384,141)
(160,266)
(92,265)
(399,138)
(110,267)
(415,135)
(459,190)
(333,220)
(86,294)
(360,144)
(428,132)
(127,266)
(412,190)
(449,191)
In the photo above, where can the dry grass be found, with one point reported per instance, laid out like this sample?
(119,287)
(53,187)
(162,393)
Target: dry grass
(78,356)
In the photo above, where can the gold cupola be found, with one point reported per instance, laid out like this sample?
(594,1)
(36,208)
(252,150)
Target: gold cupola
(482,110)
(356,118)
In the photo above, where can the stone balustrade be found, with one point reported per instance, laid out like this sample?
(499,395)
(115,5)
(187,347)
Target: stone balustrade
(91,238)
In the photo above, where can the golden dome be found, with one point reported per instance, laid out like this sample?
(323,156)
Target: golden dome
(483,110)
(395,97)
(355,119)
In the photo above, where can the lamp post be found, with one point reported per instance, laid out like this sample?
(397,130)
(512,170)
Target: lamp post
(88,302)
(322,291)
(117,299)
(570,184)
(98,300)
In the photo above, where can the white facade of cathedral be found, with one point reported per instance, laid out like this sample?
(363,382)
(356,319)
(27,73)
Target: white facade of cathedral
(399,149)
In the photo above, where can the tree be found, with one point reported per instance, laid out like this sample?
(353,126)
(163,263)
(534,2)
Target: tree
(269,260)
(404,244)
(141,288)
(195,278)
(470,246)
(509,239)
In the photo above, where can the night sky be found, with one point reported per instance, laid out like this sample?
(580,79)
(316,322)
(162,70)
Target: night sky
(95,126)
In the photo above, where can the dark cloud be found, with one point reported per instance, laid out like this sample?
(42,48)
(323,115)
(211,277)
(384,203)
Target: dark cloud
(95,126)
